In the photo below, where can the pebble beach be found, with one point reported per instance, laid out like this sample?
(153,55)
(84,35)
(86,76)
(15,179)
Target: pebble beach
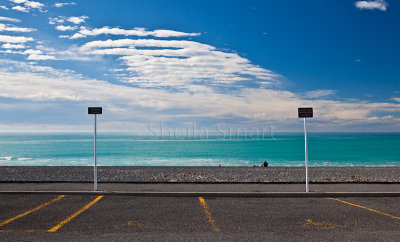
(174,174)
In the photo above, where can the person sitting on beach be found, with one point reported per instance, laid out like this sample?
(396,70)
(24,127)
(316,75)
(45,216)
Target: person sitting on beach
(265,164)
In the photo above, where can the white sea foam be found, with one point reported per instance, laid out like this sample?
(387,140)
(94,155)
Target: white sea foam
(23,159)
(7,158)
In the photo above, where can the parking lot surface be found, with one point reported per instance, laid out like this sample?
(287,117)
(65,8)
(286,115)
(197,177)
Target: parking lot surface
(125,218)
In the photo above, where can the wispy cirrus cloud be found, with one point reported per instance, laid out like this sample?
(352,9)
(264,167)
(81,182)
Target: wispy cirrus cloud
(20,9)
(66,28)
(72,19)
(177,63)
(162,33)
(15,39)
(13,46)
(164,73)
(32,4)
(10,19)
(11,28)
(18,1)
(26,5)
(35,54)
(372,5)
(45,84)
(146,43)
(40,57)
(77,20)
(58,20)
(319,93)
(59,5)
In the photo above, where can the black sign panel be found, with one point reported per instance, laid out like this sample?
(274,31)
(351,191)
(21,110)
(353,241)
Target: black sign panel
(305,112)
(95,110)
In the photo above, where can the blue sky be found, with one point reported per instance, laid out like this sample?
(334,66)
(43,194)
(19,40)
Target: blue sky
(233,63)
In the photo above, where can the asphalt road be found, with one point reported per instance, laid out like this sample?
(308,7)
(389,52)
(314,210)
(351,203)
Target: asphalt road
(201,187)
(125,218)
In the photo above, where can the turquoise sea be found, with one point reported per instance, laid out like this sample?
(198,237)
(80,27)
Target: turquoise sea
(281,149)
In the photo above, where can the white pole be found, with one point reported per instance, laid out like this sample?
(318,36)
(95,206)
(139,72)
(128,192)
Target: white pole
(306,154)
(95,155)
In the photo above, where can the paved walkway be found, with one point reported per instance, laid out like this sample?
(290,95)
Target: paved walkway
(205,188)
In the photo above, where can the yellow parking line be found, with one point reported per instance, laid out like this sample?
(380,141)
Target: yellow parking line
(30,211)
(208,215)
(22,231)
(369,209)
(86,207)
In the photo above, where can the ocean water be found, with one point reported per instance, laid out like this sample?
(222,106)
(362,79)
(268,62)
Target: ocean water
(281,149)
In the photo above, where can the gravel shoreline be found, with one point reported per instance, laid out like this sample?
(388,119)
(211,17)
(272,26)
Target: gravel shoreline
(198,174)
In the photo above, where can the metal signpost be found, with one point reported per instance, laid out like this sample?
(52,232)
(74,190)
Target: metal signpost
(306,113)
(95,111)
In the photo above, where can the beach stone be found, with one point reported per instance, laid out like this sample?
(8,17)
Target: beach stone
(154,174)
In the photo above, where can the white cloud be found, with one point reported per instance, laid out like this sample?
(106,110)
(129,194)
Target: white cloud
(73,53)
(10,19)
(13,46)
(4,7)
(132,43)
(32,4)
(27,5)
(58,20)
(37,55)
(319,93)
(21,9)
(77,36)
(18,1)
(11,51)
(40,57)
(66,28)
(44,48)
(148,65)
(41,83)
(372,5)
(9,28)
(40,53)
(59,5)
(62,19)
(33,52)
(14,39)
(179,63)
(77,20)
(83,32)
(397,99)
